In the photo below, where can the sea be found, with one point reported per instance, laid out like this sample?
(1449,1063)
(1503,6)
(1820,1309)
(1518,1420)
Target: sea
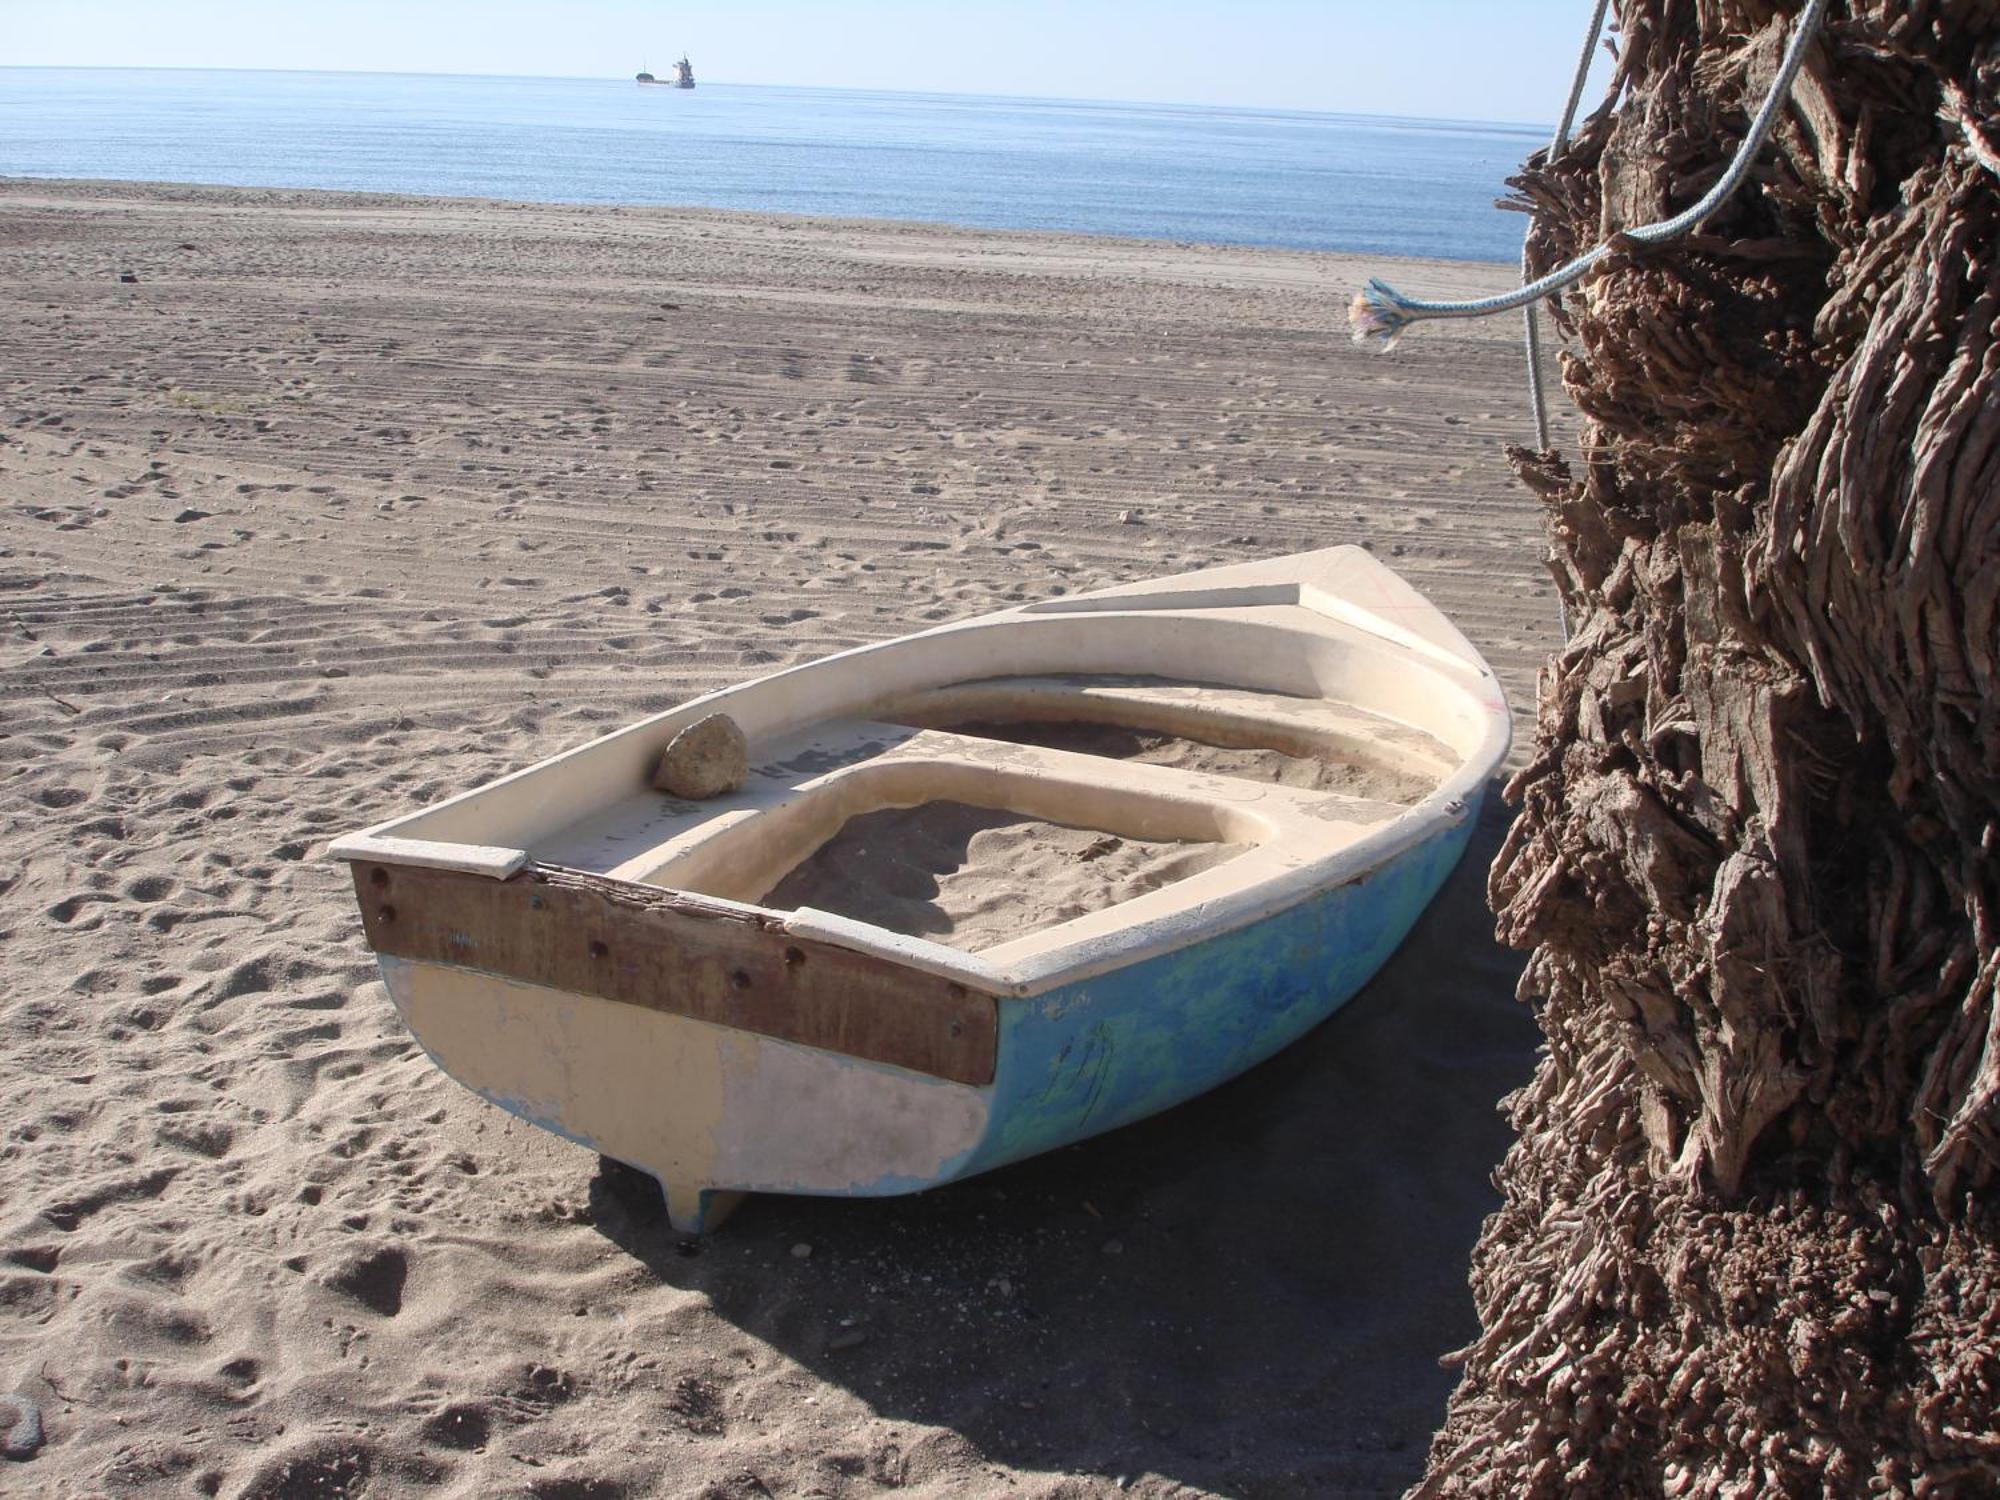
(1159,171)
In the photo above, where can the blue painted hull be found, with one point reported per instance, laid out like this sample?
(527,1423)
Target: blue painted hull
(1104,1052)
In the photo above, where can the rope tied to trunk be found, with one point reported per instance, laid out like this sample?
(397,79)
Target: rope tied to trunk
(1530,329)
(1379,313)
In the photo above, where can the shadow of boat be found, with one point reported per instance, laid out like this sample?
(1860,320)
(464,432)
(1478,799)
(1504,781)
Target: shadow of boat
(1248,1294)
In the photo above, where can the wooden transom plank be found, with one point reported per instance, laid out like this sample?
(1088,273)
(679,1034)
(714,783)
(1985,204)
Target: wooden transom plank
(669,951)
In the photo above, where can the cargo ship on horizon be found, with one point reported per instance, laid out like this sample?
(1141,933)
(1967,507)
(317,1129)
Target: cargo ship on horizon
(683,77)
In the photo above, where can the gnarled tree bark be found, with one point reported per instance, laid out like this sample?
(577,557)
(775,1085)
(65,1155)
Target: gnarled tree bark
(1750,1243)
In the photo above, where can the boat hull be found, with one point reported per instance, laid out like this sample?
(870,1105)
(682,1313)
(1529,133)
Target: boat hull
(618,966)
(712,1111)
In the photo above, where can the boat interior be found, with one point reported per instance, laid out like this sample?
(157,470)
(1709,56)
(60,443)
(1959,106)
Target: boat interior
(1018,797)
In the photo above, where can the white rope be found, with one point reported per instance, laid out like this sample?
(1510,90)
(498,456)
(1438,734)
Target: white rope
(1530,324)
(1380,313)
(1576,83)
(1531,338)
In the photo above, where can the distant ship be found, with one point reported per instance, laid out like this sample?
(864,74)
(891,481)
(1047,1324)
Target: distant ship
(683,77)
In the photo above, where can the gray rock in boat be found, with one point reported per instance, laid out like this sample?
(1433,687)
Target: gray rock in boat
(706,759)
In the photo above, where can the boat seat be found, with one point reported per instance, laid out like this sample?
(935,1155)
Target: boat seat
(1206,712)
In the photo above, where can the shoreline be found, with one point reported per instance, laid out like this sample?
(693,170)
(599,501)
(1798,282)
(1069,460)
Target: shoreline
(1497,273)
(343,504)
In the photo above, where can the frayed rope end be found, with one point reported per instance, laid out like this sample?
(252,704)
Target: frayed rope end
(1378,316)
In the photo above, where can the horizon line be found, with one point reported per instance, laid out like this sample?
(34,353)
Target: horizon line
(1274,109)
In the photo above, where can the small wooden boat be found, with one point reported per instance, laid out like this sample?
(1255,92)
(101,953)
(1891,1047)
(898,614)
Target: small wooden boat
(1298,746)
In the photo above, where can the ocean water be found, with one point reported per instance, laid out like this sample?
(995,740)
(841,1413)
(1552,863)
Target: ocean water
(1179,172)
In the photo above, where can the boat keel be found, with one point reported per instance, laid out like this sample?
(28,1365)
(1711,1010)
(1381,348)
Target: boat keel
(697,1210)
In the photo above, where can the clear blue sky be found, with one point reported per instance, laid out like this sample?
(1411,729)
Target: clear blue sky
(1452,59)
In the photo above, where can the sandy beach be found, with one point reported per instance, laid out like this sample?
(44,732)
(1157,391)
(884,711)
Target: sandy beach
(316,507)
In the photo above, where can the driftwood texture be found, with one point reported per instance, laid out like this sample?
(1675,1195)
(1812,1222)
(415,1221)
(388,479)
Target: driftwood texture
(1750,1243)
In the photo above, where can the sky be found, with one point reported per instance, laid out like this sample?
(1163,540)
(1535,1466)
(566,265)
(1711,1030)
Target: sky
(1506,60)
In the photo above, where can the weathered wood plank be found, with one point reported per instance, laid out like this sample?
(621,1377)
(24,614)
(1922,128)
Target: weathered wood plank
(668,951)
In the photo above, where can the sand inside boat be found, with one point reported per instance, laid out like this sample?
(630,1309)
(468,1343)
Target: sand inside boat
(974,877)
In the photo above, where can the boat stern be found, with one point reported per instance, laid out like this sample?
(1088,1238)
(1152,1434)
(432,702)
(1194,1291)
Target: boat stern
(690,1103)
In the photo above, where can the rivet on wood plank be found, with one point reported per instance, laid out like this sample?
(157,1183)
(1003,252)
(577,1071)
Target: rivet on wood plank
(794,957)
(537,902)
(598,949)
(957,1027)
(386,912)
(378,877)
(740,978)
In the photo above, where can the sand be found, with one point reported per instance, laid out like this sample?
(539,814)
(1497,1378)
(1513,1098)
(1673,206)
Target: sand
(313,507)
(973,877)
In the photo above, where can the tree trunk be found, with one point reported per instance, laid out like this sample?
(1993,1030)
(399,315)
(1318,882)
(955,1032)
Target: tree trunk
(1750,1242)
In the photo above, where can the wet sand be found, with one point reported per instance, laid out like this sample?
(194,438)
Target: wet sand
(314,507)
